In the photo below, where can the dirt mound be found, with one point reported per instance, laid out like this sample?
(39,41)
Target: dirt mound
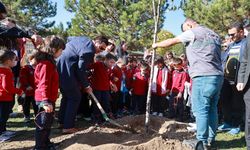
(163,134)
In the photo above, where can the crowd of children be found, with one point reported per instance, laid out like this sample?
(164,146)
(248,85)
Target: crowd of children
(39,85)
(119,84)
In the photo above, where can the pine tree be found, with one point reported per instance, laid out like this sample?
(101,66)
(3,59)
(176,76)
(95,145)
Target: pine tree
(217,14)
(31,13)
(128,20)
(177,49)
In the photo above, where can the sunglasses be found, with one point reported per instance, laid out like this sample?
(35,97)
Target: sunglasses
(232,35)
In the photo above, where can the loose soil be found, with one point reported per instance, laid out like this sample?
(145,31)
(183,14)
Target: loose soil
(163,134)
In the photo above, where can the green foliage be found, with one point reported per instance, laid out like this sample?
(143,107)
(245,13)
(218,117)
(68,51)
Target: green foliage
(58,30)
(217,14)
(131,21)
(31,13)
(164,35)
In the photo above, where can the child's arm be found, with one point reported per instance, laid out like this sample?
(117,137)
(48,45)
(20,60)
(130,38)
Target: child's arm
(184,78)
(8,84)
(113,75)
(113,87)
(169,82)
(84,61)
(23,79)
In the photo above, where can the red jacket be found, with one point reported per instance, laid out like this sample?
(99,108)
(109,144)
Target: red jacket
(7,88)
(116,72)
(27,79)
(159,82)
(178,80)
(46,81)
(137,69)
(140,84)
(100,78)
(129,72)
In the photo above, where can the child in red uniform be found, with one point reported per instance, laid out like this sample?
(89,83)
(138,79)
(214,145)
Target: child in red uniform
(179,77)
(101,84)
(7,89)
(46,92)
(129,72)
(160,86)
(139,90)
(28,86)
(116,95)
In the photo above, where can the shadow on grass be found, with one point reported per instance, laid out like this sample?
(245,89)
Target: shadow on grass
(230,144)
(20,125)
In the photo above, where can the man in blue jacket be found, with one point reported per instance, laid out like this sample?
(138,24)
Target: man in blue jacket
(72,64)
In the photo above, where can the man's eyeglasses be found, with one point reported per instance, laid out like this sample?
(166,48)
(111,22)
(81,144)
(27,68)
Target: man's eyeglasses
(231,35)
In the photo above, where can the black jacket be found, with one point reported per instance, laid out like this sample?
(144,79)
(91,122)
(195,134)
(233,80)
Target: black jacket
(12,32)
(244,70)
(72,64)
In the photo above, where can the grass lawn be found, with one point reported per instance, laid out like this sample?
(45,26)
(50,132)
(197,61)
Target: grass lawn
(226,141)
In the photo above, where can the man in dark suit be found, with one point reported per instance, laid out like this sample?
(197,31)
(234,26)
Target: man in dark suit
(72,66)
(244,85)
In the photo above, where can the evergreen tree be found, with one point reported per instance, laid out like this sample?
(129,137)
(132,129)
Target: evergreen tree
(58,30)
(217,14)
(177,49)
(31,13)
(128,20)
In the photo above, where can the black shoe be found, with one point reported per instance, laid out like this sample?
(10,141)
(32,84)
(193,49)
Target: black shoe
(193,144)
(53,146)
(199,146)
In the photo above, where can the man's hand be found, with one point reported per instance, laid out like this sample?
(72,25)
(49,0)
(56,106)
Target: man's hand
(88,90)
(167,92)
(38,40)
(130,92)
(239,86)
(179,96)
(29,88)
(113,88)
(48,108)
(115,79)
(9,24)
(23,95)
(154,45)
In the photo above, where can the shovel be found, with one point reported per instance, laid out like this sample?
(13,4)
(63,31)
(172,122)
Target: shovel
(104,115)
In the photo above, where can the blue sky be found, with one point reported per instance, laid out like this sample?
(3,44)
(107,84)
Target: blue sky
(172,23)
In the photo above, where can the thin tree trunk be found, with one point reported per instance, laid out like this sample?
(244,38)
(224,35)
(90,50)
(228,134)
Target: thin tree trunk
(156,19)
